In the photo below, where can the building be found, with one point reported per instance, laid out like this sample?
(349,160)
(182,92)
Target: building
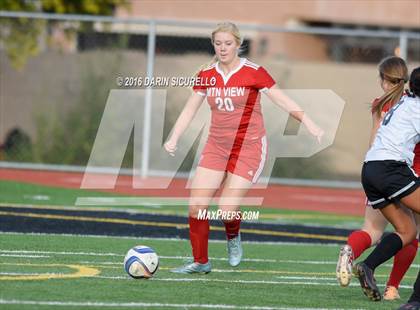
(397,15)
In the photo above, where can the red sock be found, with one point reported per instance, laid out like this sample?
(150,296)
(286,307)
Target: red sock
(359,241)
(199,237)
(402,261)
(232,228)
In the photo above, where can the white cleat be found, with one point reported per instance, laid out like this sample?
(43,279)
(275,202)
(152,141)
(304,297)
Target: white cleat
(193,268)
(235,251)
(345,265)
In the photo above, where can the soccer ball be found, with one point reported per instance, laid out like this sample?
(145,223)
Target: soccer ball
(141,262)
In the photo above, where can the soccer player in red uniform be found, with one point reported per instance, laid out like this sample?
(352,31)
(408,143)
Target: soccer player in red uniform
(394,74)
(236,149)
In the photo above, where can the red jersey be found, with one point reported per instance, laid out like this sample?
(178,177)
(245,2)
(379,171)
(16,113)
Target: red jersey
(416,161)
(234,100)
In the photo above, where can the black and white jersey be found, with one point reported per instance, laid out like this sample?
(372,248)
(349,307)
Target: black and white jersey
(398,133)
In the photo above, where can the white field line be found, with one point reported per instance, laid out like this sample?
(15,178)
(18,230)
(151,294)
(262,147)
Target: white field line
(241,281)
(29,273)
(163,173)
(163,279)
(194,279)
(297,280)
(279,261)
(122,255)
(256,271)
(145,305)
(159,201)
(323,276)
(24,256)
(62,253)
(256,260)
(37,197)
(336,244)
(73,208)
(128,278)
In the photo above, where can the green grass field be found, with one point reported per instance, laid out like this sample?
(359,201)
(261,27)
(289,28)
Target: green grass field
(40,271)
(282,275)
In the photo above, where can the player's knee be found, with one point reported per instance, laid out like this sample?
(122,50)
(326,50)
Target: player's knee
(199,202)
(417,221)
(375,234)
(195,208)
(407,233)
(413,233)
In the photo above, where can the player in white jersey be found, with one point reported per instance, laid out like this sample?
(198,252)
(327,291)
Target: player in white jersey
(393,73)
(388,180)
(414,300)
(396,139)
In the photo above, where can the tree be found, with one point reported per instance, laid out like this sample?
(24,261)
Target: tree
(20,35)
(91,7)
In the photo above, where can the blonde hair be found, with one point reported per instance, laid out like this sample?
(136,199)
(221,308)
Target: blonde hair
(229,28)
(223,27)
(394,70)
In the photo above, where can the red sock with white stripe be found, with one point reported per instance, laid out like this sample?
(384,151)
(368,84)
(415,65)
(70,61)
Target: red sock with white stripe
(232,228)
(359,241)
(199,238)
(402,261)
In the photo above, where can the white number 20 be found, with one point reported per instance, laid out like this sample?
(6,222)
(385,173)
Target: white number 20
(225,104)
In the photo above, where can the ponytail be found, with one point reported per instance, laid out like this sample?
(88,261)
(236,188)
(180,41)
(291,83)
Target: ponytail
(392,96)
(394,70)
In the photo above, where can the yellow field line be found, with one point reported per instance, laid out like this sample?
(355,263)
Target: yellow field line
(81,271)
(93,219)
(165,224)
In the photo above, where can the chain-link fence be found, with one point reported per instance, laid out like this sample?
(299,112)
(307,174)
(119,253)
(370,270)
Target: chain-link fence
(57,71)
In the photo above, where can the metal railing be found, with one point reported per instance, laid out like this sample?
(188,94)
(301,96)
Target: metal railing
(403,37)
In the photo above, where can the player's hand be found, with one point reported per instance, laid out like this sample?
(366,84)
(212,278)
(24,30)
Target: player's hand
(316,131)
(170,146)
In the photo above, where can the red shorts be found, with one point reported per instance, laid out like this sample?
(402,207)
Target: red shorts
(416,166)
(246,161)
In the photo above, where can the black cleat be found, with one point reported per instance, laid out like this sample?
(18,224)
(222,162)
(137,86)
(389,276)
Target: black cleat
(368,282)
(414,305)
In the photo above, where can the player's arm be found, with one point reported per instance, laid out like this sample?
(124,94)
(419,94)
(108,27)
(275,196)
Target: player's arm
(376,123)
(183,121)
(277,96)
